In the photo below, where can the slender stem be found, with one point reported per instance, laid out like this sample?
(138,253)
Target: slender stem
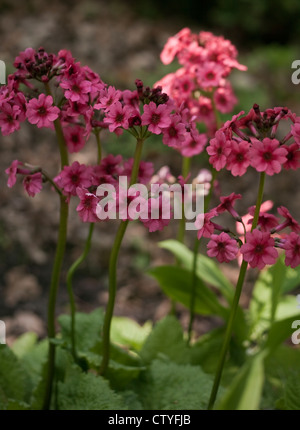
(112,289)
(195,257)
(60,250)
(58,259)
(75,266)
(186,163)
(235,302)
(70,275)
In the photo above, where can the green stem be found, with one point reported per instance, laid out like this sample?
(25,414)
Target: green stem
(186,164)
(195,257)
(235,302)
(70,275)
(75,266)
(59,255)
(112,289)
(58,259)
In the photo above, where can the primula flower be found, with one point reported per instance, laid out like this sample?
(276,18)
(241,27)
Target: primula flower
(175,134)
(194,143)
(204,224)
(224,99)
(292,250)
(108,97)
(219,149)
(71,177)
(76,89)
(223,247)
(154,223)
(9,118)
(289,221)
(259,249)
(227,203)
(41,111)
(295,130)
(74,137)
(210,75)
(11,171)
(292,157)
(267,156)
(156,117)
(145,173)
(87,206)
(33,184)
(118,116)
(239,158)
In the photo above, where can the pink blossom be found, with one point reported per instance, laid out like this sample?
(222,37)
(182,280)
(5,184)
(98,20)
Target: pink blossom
(289,221)
(76,89)
(74,138)
(155,223)
(239,158)
(156,117)
(9,118)
(292,157)
(74,176)
(118,116)
(41,111)
(210,75)
(175,134)
(108,97)
(267,156)
(145,173)
(224,99)
(33,184)
(259,249)
(223,247)
(170,50)
(295,130)
(204,224)
(219,149)
(227,203)
(11,171)
(87,206)
(292,250)
(194,143)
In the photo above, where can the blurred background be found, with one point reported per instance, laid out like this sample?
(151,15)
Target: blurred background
(121,41)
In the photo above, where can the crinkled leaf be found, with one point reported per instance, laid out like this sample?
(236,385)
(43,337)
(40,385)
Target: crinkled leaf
(129,333)
(166,338)
(86,391)
(171,386)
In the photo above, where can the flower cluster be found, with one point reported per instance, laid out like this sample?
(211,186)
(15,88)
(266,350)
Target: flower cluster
(258,246)
(201,83)
(250,140)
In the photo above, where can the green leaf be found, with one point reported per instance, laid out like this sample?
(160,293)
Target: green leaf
(279,332)
(129,333)
(24,344)
(88,327)
(244,392)
(166,339)
(86,391)
(207,269)
(13,379)
(171,386)
(291,390)
(176,282)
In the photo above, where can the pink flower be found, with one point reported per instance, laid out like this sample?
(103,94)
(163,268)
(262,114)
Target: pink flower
(222,247)
(110,165)
(295,129)
(156,117)
(224,99)
(11,171)
(74,138)
(145,173)
(267,156)
(210,75)
(289,221)
(194,143)
(154,223)
(292,157)
(259,249)
(219,149)
(204,224)
(33,184)
(292,250)
(239,158)
(9,118)
(118,116)
(227,203)
(71,177)
(108,97)
(76,89)
(41,111)
(87,206)
(175,134)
